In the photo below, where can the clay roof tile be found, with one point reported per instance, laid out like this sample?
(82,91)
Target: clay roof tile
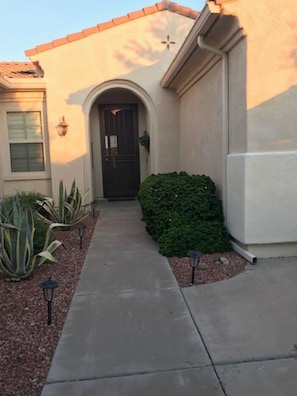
(19,70)
(161,6)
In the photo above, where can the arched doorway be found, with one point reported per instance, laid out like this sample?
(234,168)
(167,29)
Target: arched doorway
(117,117)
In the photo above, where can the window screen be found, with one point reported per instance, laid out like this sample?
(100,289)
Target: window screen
(25,141)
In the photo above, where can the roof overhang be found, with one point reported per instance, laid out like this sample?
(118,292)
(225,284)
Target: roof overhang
(221,30)
(207,18)
(18,84)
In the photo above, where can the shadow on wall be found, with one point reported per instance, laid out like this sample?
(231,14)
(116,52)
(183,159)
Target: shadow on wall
(272,124)
(136,61)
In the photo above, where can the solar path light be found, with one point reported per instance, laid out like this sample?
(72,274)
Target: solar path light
(93,207)
(194,257)
(48,288)
(81,233)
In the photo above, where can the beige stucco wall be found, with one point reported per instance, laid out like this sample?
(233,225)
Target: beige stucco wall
(11,182)
(262,182)
(271,72)
(201,127)
(130,52)
(237,98)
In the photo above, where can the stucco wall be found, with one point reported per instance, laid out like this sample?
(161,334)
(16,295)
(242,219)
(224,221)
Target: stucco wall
(262,182)
(201,127)
(131,51)
(270,72)
(261,202)
(237,98)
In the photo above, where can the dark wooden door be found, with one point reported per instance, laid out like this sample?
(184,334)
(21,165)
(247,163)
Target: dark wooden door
(120,150)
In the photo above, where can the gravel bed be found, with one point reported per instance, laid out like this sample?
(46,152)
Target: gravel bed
(27,343)
(231,264)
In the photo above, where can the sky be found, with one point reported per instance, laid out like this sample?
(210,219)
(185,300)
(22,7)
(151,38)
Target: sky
(26,24)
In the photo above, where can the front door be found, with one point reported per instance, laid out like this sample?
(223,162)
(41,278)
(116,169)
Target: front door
(120,150)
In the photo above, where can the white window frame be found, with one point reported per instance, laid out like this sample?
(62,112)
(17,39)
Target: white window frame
(26,140)
(5,149)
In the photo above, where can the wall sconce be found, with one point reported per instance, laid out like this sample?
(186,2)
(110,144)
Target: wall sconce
(144,140)
(63,127)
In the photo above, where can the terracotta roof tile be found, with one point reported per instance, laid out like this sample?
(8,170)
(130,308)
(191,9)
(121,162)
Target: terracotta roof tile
(60,41)
(44,47)
(120,20)
(105,25)
(75,36)
(135,15)
(91,30)
(161,6)
(18,70)
(149,10)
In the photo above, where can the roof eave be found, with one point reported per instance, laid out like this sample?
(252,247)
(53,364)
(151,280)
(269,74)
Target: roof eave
(21,84)
(208,16)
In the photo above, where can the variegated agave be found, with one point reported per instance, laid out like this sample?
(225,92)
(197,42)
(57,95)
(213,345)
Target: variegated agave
(69,210)
(17,258)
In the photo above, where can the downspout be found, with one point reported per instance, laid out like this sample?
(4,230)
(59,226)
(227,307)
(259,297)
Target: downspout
(225,134)
(225,114)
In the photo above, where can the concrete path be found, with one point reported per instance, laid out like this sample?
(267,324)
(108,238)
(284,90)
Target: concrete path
(131,331)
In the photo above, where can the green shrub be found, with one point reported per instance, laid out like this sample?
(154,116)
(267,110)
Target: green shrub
(178,209)
(206,237)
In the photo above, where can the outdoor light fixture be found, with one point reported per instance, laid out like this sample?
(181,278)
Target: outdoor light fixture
(63,127)
(48,288)
(194,257)
(93,207)
(81,233)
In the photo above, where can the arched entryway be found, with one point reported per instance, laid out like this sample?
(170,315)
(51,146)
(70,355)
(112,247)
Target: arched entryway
(117,118)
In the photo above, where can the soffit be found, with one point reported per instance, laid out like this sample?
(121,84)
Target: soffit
(191,62)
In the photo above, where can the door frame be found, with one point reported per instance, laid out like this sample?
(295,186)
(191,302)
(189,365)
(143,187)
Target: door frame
(107,192)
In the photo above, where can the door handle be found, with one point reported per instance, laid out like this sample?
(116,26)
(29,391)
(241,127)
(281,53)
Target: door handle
(106,159)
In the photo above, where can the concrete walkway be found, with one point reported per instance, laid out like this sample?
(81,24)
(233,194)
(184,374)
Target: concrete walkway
(132,331)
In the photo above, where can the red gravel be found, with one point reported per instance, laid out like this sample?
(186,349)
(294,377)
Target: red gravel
(208,271)
(27,343)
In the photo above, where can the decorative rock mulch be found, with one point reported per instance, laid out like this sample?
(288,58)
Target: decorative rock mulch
(212,268)
(27,343)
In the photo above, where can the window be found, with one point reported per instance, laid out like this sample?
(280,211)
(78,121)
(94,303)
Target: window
(25,141)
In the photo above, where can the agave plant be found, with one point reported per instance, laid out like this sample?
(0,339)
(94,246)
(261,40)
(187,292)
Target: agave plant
(17,258)
(69,210)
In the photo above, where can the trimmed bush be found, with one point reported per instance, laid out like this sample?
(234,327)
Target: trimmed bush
(182,213)
(206,237)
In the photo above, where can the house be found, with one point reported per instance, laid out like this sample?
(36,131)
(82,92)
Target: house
(215,91)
